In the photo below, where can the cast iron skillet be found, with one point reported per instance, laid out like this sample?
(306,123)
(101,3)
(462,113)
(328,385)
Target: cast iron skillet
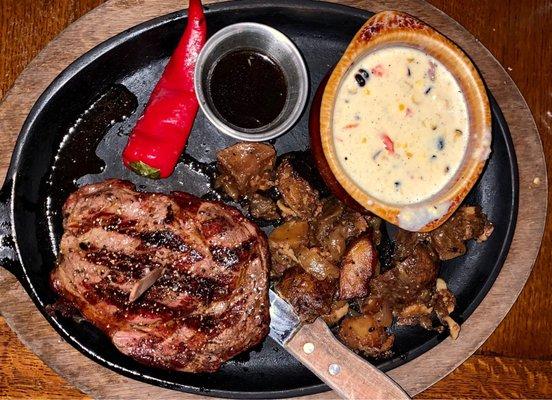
(55,153)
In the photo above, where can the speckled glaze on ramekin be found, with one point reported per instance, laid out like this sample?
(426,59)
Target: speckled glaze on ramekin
(392,28)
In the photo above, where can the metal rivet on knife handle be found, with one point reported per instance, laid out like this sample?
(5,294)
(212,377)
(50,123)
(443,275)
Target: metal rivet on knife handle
(308,348)
(334,369)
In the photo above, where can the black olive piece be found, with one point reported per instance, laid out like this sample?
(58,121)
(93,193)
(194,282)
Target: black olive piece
(440,143)
(408,71)
(360,80)
(428,90)
(364,73)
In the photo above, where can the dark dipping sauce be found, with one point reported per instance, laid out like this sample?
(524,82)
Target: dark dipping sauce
(248,89)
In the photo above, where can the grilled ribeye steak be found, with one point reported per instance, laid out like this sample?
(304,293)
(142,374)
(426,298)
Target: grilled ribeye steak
(208,265)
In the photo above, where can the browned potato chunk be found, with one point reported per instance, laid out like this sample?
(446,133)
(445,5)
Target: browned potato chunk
(357,268)
(379,309)
(261,207)
(364,334)
(335,243)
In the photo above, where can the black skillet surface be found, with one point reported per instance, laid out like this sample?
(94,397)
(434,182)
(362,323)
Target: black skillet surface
(55,154)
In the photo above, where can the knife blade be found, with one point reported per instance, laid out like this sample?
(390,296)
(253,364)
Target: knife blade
(283,320)
(315,346)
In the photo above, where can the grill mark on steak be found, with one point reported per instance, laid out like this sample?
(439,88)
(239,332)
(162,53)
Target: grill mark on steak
(104,292)
(203,288)
(169,218)
(230,258)
(156,238)
(126,263)
(108,221)
(200,288)
(163,238)
(209,324)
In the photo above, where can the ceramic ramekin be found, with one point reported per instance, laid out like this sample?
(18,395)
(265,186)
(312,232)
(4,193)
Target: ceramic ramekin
(391,28)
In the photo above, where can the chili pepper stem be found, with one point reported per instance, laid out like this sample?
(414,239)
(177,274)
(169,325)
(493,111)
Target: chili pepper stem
(143,169)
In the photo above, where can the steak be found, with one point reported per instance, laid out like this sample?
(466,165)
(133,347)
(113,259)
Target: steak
(176,282)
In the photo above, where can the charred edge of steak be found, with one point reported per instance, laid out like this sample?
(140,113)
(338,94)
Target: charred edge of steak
(64,308)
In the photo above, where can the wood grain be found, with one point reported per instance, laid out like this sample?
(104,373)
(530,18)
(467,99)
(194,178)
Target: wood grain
(26,26)
(486,377)
(24,375)
(516,32)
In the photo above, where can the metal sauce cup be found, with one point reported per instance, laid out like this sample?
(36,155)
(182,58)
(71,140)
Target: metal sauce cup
(267,40)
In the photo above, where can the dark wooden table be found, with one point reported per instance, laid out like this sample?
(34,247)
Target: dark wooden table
(516,361)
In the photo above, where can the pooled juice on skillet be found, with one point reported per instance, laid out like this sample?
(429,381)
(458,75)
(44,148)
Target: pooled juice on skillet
(400,125)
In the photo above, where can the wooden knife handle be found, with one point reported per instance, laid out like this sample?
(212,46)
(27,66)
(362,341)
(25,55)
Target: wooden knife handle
(341,369)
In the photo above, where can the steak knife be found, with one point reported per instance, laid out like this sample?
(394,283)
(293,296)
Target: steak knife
(315,346)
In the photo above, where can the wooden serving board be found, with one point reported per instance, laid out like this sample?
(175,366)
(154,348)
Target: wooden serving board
(117,15)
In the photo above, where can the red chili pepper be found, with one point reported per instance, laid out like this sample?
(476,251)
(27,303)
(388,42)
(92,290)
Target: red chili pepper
(160,134)
(350,126)
(388,143)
